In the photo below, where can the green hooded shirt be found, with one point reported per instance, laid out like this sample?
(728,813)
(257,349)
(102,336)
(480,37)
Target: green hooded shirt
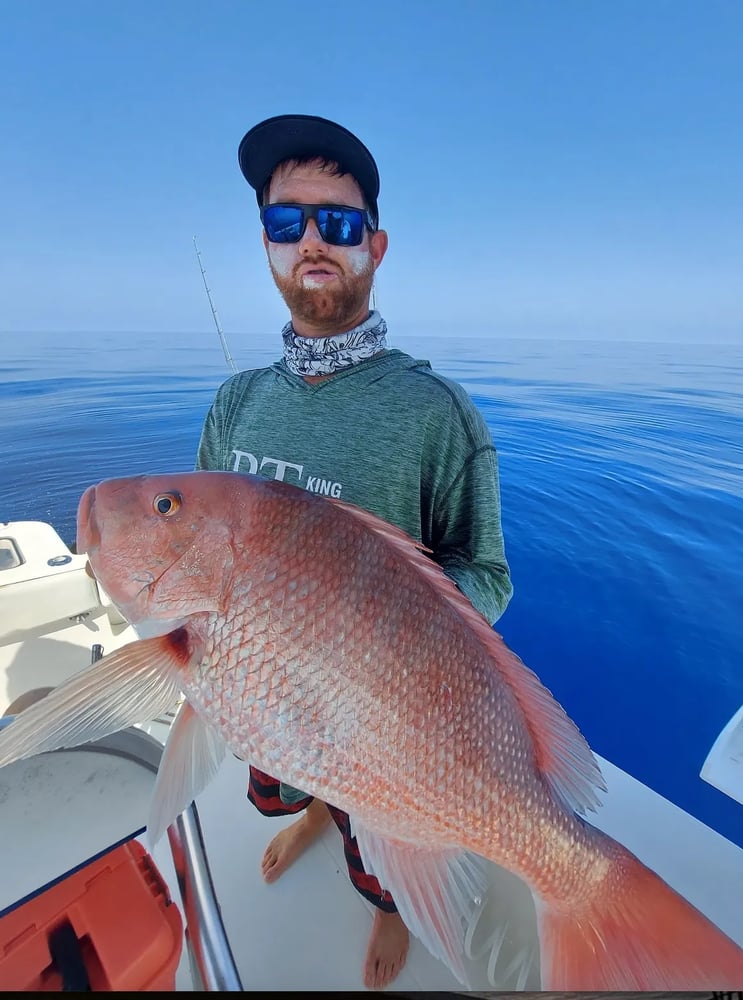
(389,435)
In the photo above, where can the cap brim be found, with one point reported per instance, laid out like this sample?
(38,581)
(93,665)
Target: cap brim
(287,136)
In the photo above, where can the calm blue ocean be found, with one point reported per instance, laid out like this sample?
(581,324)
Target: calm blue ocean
(622,509)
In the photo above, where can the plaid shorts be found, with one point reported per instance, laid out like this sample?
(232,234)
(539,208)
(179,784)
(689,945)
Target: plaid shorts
(265,794)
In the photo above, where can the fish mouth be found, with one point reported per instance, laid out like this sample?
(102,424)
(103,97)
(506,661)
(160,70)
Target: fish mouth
(89,541)
(88,533)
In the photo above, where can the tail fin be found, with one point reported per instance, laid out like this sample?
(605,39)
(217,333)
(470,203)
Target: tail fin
(641,935)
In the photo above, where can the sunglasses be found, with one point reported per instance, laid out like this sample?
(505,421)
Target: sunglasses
(338,225)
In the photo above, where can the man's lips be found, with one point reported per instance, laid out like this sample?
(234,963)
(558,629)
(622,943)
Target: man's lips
(319,277)
(319,271)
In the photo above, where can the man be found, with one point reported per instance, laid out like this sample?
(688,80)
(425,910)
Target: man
(343,415)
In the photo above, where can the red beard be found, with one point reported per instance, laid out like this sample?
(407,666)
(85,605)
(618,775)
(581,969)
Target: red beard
(333,306)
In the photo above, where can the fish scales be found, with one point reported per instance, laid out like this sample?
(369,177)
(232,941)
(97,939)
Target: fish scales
(345,661)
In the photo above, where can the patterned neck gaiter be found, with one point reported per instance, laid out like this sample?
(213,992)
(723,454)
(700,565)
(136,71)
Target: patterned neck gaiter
(326,355)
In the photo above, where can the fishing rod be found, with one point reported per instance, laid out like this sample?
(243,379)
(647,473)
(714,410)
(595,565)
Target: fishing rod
(225,348)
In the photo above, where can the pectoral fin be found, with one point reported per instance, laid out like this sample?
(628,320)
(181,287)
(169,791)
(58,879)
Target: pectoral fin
(134,684)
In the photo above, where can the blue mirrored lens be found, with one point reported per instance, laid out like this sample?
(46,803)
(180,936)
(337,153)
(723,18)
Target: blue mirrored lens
(341,226)
(283,223)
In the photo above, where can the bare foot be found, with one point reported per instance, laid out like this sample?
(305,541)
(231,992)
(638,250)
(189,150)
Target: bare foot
(387,950)
(289,843)
(26,699)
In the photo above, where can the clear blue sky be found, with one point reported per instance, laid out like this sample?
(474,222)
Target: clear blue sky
(550,168)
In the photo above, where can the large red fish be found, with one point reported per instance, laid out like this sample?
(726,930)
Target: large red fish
(325,647)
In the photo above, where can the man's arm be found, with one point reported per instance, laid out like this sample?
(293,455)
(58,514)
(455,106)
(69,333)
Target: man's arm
(209,452)
(465,512)
(470,546)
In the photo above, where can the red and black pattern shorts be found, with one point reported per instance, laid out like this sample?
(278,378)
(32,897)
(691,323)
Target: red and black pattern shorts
(263,792)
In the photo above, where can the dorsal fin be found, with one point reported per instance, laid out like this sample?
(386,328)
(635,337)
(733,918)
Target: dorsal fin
(562,753)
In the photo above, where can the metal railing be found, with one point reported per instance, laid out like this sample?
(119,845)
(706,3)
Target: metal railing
(206,937)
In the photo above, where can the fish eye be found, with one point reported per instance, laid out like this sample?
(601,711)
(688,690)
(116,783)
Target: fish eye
(167,503)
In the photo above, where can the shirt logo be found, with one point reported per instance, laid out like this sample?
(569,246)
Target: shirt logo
(283,471)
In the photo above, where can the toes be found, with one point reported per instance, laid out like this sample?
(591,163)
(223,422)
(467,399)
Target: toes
(384,975)
(389,972)
(385,972)
(378,974)
(269,862)
(370,974)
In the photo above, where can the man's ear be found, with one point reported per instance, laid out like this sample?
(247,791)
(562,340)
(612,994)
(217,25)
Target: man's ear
(378,243)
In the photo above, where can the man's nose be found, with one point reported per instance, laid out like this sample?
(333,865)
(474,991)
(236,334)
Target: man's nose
(311,239)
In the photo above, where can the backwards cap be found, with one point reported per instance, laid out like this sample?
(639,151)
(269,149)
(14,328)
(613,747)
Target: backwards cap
(285,137)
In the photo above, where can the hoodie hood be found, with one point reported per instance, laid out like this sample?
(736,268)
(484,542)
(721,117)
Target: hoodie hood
(390,362)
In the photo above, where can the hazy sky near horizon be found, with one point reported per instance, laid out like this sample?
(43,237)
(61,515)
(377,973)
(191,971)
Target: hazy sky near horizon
(549,168)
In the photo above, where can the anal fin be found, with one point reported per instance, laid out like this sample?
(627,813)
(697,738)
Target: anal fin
(436,891)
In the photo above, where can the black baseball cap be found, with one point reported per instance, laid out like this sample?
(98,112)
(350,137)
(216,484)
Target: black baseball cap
(284,137)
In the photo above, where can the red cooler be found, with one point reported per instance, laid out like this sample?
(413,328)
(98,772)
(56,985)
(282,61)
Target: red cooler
(110,925)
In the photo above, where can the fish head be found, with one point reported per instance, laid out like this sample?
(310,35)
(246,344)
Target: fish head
(162,546)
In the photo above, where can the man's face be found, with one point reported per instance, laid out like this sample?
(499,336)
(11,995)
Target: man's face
(326,287)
